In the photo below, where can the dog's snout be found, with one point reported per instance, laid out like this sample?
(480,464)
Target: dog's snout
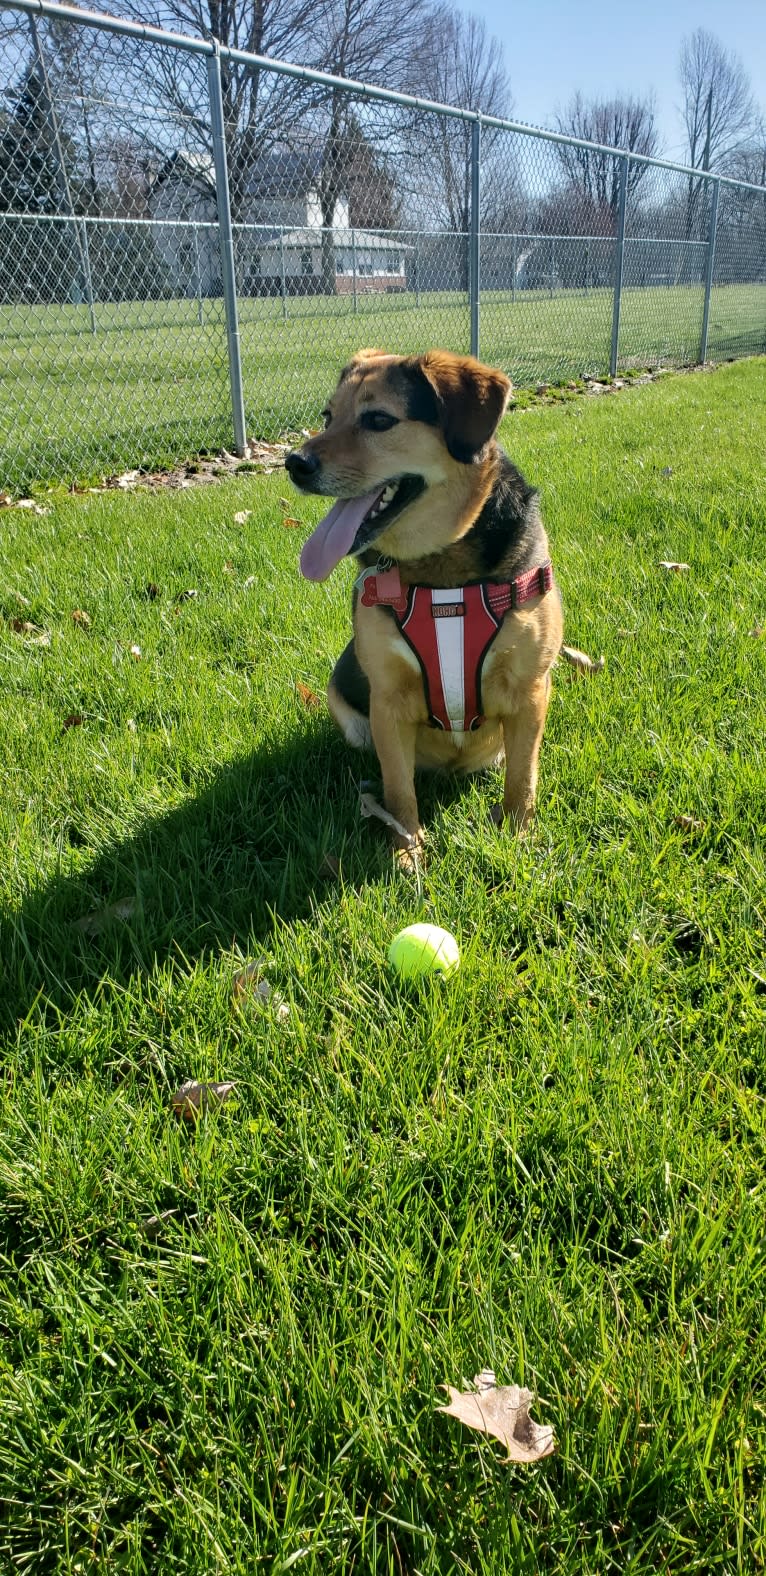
(302,467)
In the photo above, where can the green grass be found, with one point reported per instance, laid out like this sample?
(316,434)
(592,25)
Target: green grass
(554,1165)
(151,386)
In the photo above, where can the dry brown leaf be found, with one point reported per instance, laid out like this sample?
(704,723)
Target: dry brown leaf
(688,823)
(151,591)
(33,634)
(290,522)
(581,662)
(242,516)
(755,633)
(247,980)
(307,695)
(78,617)
(668,563)
(74,720)
(93,923)
(6,500)
(503,1412)
(193,1098)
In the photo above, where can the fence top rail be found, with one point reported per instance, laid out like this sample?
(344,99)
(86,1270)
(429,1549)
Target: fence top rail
(59,11)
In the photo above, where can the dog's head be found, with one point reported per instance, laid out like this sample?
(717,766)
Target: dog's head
(406,442)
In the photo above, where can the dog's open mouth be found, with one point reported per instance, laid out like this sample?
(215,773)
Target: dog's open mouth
(355,523)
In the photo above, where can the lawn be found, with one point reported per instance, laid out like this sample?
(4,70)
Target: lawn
(151,386)
(223,1342)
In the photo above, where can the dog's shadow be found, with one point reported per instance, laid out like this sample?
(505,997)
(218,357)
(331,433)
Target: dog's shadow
(264,840)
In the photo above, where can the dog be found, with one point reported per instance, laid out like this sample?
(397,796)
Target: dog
(457,620)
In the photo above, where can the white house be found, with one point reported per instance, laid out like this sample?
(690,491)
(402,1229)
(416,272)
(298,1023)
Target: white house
(277,236)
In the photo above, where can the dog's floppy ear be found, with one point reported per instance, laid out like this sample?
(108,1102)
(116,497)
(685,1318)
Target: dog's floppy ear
(462,396)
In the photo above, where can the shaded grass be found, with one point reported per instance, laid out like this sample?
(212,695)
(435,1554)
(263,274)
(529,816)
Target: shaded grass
(152,385)
(223,1345)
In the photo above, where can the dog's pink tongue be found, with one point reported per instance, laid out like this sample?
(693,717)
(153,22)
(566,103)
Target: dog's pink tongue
(333,536)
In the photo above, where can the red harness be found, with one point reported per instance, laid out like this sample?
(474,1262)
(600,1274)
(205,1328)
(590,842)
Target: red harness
(450,632)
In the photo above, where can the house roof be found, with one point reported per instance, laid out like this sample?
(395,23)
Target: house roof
(306,239)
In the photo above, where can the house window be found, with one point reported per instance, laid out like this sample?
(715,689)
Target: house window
(392,263)
(306,262)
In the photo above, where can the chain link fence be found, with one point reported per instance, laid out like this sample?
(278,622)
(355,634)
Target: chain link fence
(193,240)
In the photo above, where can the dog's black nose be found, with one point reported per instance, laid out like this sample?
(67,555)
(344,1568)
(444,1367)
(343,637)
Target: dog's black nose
(302,467)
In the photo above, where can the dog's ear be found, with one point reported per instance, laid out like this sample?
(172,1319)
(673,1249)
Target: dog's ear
(462,396)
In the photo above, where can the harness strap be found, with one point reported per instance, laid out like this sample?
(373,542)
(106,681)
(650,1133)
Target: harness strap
(450,632)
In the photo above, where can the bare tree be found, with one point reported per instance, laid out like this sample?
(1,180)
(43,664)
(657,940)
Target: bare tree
(261,111)
(371,43)
(718,108)
(458,62)
(594,175)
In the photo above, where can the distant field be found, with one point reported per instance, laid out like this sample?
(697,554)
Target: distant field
(151,385)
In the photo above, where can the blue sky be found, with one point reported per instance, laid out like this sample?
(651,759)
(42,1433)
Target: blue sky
(554,46)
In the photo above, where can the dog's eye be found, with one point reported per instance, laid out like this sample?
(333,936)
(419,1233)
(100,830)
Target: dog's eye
(327,417)
(378,420)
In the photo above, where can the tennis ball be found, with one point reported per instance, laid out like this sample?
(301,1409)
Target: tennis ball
(424,949)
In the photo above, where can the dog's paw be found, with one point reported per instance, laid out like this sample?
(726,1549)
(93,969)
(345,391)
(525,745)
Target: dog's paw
(518,821)
(409,853)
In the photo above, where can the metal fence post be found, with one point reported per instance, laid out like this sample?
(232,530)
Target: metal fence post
(198,271)
(282,275)
(417,268)
(514,265)
(85,254)
(709,265)
(353,265)
(619,260)
(474,275)
(226,240)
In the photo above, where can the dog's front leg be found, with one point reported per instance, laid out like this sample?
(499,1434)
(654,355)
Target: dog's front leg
(394,741)
(523,732)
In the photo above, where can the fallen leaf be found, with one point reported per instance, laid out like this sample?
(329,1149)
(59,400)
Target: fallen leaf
(135,652)
(755,633)
(6,500)
(369,807)
(667,563)
(242,516)
(93,923)
(78,617)
(151,591)
(688,823)
(307,695)
(503,1412)
(74,720)
(581,662)
(289,521)
(286,503)
(193,1098)
(247,979)
(33,634)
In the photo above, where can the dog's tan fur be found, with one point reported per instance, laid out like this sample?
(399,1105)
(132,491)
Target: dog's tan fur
(432,544)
